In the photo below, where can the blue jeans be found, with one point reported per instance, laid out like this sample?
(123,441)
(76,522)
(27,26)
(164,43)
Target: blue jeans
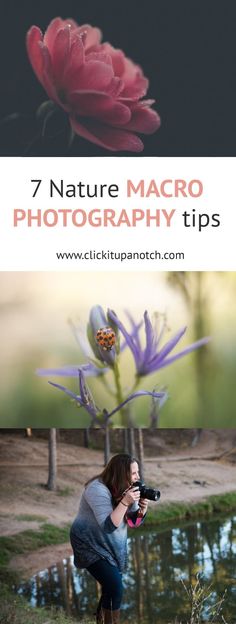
(110,578)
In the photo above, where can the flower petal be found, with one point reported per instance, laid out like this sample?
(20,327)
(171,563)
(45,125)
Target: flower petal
(47,77)
(92,411)
(70,371)
(115,87)
(55,25)
(135,395)
(169,346)
(97,320)
(135,330)
(144,120)
(99,56)
(92,36)
(117,58)
(95,76)
(113,139)
(60,53)
(189,349)
(99,105)
(74,62)
(136,84)
(33,38)
(129,339)
(150,338)
(82,340)
(72,395)
(86,395)
(41,62)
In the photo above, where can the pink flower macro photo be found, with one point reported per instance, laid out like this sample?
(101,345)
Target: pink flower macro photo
(96,84)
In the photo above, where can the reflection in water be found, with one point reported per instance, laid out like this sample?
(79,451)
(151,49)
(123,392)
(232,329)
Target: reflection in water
(157,561)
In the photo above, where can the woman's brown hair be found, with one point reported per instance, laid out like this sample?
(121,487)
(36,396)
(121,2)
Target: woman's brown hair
(116,474)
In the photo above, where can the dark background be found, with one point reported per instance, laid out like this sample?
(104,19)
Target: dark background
(186,48)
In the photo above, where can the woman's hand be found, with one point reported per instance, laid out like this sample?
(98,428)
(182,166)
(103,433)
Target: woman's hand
(131,496)
(143,505)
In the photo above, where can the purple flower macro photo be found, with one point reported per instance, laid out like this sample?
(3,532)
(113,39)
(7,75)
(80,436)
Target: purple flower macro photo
(103,360)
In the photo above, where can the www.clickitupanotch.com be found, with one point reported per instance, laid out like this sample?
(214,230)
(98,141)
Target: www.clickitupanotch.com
(121,256)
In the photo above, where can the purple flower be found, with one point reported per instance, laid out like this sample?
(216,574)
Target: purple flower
(153,357)
(99,360)
(85,399)
(93,369)
(89,370)
(98,320)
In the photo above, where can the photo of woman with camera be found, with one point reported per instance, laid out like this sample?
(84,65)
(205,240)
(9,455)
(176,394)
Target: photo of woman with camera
(111,501)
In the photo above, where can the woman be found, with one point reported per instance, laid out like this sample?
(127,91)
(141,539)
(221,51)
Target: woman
(99,532)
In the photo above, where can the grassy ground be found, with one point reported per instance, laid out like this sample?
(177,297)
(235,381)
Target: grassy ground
(15,610)
(30,540)
(174,512)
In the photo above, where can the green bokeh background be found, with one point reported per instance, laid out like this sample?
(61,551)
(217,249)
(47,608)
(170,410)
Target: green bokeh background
(34,332)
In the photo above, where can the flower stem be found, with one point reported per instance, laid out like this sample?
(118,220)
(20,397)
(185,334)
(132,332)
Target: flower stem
(105,383)
(135,385)
(119,395)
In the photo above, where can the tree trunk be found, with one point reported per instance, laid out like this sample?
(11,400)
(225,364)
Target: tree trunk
(125,440)
(131,441)
(107,445)
(140,452)
(196,437)
(154,415)
(86,438)
(52,459)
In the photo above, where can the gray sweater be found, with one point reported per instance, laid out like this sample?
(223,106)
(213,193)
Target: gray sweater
(93,534)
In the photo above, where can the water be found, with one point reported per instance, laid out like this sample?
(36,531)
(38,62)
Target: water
(158,560)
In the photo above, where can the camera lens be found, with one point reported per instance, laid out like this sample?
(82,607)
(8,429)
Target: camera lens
(146,492)
(150,493)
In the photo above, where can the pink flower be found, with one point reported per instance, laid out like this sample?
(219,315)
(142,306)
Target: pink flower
(94,83)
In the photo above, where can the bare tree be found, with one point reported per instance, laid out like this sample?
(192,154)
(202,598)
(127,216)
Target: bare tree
(107,448)
(28,432)
(125,440)
(140,451)
(131,441)
(52,459)
(86,437)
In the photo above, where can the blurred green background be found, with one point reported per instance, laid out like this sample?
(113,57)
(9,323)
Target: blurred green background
(34,332)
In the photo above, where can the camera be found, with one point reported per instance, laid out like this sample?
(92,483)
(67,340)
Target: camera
(147,492)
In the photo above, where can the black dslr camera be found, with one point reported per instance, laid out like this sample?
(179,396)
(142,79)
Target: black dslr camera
(147,492)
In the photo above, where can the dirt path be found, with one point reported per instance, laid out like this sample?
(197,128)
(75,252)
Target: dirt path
(183,475)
